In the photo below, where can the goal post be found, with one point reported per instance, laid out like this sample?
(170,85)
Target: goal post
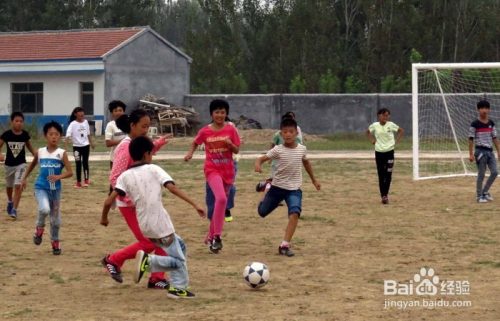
(444,98)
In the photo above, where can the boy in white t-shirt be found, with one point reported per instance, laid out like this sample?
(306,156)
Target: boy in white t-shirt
(114,135)
(143,184)
(287,181)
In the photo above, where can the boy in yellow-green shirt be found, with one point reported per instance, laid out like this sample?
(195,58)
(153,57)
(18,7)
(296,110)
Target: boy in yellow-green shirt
(384,142)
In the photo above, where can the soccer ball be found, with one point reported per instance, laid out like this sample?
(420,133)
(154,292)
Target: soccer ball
(256,275)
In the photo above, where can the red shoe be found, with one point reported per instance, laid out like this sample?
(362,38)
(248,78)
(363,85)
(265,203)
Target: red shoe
(78,185)
(86,184)
(56,248)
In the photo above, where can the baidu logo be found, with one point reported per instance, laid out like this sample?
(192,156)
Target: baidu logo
(423,283)
(426,283)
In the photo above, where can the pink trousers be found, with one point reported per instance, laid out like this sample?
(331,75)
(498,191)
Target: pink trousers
(120,256)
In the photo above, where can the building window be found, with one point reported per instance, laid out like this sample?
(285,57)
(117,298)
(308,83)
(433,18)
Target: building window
(87,97)
(27,97)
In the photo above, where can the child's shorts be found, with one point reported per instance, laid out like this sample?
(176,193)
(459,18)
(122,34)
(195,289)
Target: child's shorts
(14,174)
(275,195)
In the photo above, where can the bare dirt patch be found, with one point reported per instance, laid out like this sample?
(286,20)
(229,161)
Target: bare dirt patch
(346,245)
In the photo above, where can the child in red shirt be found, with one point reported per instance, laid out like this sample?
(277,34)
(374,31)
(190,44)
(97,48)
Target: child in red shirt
(221,141)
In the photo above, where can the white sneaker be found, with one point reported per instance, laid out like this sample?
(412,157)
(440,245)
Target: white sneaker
(482,199)
(488,197)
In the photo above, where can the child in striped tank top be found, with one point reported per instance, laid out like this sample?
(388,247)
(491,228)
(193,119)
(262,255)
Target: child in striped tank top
(52,159)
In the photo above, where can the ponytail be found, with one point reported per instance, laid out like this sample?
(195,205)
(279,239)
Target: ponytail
(73,114)
(123,122)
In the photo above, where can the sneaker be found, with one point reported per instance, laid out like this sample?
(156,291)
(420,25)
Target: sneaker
(113,270)
(78,185)
(261,186)
(161,284)
(217,243)
(13,213)
(482,199)
(37,237)
(488,197)
(285,250)
(141,261)
(208,243)
(175,293)
(228,217)
(86,184)
(10,206)
(385,200)
(56,247)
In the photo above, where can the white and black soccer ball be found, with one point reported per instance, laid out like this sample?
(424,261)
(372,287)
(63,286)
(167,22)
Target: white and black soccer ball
(256,274)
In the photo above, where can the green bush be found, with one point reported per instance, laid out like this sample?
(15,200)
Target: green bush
(298,85)
(328,83)
(353,86)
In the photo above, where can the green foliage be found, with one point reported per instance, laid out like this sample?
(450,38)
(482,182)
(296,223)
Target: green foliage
(471,77)
(270,42)
(391,84)
(415,56)
(235,85)
(494,77)
(328,83)
(298,85)
(353,86)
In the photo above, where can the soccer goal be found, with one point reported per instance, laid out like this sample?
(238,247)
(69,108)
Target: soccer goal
(444,98)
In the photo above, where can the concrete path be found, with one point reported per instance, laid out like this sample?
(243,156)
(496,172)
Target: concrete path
(312,154)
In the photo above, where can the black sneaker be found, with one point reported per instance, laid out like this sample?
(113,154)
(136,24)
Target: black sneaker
(217,243)
(175,293)
(37,237)
(208,243)
(261,186)
(113,270)
(142,265)
(285,250)
(161,285)
(56,248)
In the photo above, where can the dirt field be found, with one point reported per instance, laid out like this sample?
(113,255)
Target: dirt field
(346,245)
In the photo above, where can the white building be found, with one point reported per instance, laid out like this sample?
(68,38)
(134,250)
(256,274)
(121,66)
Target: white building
(46,74)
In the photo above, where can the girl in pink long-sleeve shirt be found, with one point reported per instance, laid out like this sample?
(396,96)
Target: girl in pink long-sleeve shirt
(221,141)
(136,124)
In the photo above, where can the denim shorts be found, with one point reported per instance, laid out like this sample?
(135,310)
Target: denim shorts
(275,195)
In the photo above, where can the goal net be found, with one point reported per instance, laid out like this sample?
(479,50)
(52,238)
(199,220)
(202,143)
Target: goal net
(444,103)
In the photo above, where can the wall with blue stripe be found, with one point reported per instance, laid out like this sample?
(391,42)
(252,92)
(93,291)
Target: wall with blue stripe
(41,120)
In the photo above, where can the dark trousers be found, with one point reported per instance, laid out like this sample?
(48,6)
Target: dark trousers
(81,155)
(385,163)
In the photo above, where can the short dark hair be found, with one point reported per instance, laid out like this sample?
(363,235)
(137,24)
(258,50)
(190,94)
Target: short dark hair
(51,124)
(139,146)
(219,104)
(115,104)
(483,104)
(288,122)
(16,114)
(383,111)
